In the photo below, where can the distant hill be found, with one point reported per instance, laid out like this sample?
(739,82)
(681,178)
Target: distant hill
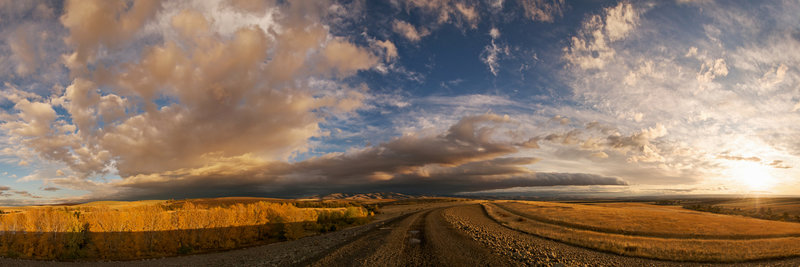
(365,196)
(225,201)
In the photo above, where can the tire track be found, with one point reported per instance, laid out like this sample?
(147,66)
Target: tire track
(422,239)
(633,233)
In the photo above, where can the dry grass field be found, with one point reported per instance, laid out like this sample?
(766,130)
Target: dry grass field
(658,232)
(652,220)
(115,230)
(788,208)
(127,230)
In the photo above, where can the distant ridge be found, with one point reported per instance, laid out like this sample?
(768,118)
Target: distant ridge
(365,196)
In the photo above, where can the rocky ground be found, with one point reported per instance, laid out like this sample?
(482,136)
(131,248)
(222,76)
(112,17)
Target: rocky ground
(528,250)
(460,235)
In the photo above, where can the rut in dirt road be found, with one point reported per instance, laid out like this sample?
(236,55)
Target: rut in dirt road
(422,239)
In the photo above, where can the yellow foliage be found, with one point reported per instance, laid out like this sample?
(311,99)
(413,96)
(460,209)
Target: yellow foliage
(98,231)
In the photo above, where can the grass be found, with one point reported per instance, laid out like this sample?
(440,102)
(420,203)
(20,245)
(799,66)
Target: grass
(120,230)
(652,220)
(642,230)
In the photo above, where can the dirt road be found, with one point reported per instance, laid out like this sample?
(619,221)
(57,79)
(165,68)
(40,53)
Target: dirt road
(422,239)
(465,236)
(461,235)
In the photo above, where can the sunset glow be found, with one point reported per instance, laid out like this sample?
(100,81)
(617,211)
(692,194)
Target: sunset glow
(752,176)
(117,99)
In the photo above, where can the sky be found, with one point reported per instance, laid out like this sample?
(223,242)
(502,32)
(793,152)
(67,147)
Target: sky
(114,99)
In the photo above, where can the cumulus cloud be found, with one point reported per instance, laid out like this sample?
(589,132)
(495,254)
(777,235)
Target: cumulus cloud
(213,108)
(591,48)
(712,69)
(24,50)
(249,96)
(686,82)
(30,44)
(640,143)
(97,23)
(253,98)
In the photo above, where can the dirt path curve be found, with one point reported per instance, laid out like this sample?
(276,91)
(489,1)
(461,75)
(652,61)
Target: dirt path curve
(461,235)
(530,250)
(422,239)
(277,254)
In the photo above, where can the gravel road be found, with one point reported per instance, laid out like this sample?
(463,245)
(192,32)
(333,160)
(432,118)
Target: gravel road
(530,250)
(422,239)
(460,235)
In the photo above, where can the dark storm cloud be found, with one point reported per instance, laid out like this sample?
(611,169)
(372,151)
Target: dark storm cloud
(462,159)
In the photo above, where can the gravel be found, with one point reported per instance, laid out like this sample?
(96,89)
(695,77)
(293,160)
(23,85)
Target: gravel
(433,236)
(530,250)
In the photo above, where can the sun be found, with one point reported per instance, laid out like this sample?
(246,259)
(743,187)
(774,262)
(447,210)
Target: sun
(751,176)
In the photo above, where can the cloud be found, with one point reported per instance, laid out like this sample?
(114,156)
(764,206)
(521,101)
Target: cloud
(492,52)
(533,142)
(494,33)
(190,23)
(466,157)
(779,164)
(345,59)
(543,10)
(6,191)
(739,158)
(640,143)
(459,13)
(25,194)
(24,50)
(96,23)
(591,49)
(712,69)
(567,138)
(638,147)
(50,188)
(408,31)
(470,14)
(256,97)
(390,50)
(619,21)
(707,94)
(560,119)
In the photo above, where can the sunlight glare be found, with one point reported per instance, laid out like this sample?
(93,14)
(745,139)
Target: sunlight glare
(751,176)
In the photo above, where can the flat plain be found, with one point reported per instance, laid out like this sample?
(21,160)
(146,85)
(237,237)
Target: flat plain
(652,231)
(438,232)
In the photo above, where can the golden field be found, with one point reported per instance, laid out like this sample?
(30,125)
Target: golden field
(146,229)
(652,220)
(658,232)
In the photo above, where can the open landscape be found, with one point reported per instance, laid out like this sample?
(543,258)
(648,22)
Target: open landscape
(397,230)
(399,133)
